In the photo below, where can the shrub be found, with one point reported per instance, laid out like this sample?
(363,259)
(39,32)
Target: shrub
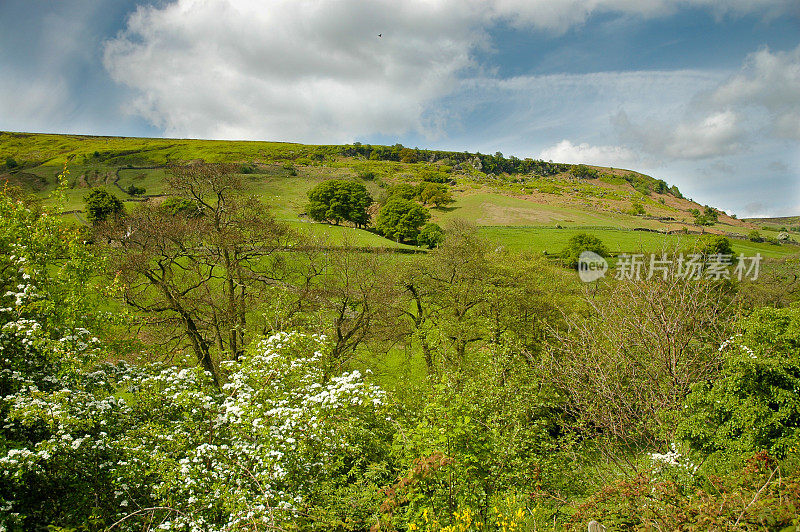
(431,236)
(754,405)
(716,245)
(580,243)
(11,163)
(133,190)
(582,171)
(181,206)
(755,236)
(102,205)
(637,209)
(400,219)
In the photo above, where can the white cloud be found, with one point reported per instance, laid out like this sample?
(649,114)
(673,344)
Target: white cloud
(292,69)
(316,71)
(567,152)
(709,135)
(560,15)
(770,80)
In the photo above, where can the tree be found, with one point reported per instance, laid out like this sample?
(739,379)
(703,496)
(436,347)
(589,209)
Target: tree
(402,191)
(580,243)
(446,293)
(102,205)
(755,236)
(401,219)
(754,405)
(200,278)
(133,190)
(431,236)
(435,194)
(339,200)
(628,364)
(716,245)
(11,163)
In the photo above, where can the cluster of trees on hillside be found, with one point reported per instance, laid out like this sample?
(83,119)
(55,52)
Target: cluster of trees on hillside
(644,184)
(486,163)
(709,216)
(402,216)
(198,365)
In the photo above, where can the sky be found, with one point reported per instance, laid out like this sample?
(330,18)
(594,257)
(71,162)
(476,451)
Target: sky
(704,94)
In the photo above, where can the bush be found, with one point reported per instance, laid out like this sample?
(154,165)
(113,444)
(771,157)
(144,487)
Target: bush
(582,171)
(400,219)
(431,236)
(11,163)
(637,209)
(716,245)
(133,190)
(755,236)
(181,206)
(754,405)
(102,205)
(435,194)
(580,243)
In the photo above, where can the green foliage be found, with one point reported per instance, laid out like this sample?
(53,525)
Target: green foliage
(339,200)
(401,219)
(433,176)
(709,216)
(755,236)
(181,206)
(133,190)
(433,194)
(582,171)
(402,191)
(754,405)
(637,209)
(580,243)
(431,235)
(756,496)
(427,193)
(478,437)
(101,205)
(716,245)
(11,163)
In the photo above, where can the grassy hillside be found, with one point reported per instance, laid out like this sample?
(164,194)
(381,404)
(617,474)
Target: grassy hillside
(522,204)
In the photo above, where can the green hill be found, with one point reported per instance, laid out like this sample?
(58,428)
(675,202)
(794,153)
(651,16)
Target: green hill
(520,203)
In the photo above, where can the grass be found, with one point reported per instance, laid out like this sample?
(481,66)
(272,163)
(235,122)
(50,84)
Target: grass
(518,212)
(552,241)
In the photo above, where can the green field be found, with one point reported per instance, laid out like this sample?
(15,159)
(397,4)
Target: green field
(528,213)
(552,240)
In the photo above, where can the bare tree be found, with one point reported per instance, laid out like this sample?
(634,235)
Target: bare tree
(627,364)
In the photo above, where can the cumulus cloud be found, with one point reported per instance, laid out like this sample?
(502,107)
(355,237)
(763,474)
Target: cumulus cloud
(710,135)
(770,80)
(316,71)
(763,96)
(567,152)
(292,69)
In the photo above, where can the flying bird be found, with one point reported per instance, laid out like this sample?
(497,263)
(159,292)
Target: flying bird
(380,35)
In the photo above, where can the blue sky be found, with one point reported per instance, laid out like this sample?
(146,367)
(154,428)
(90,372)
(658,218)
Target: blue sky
(702,93)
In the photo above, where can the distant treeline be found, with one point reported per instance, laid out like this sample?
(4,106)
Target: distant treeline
(488,164)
